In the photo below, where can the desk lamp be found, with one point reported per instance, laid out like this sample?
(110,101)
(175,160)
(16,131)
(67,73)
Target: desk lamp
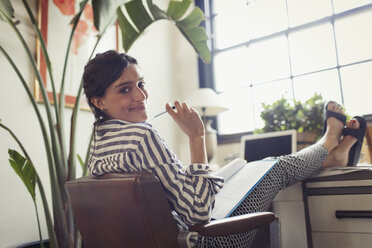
(208,104)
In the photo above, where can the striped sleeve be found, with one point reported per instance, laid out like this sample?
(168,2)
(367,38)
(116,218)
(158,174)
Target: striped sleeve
(191,191)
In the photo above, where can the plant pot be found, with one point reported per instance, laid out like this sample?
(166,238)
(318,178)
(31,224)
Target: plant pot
(35,244)
(305,139)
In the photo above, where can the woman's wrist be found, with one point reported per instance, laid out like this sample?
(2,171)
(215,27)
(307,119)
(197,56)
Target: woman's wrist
(197,139)
(198,150)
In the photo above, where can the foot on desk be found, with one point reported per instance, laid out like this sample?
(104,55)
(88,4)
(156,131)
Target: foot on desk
(357,133)
(334,122)
(342,153)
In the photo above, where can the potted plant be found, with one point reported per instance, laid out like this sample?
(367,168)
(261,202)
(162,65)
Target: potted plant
(61,156)
(305,117)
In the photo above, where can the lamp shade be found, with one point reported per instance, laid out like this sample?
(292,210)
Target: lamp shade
(207,100)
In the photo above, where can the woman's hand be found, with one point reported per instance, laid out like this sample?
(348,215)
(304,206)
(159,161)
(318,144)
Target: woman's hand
(187,119)
(191,124)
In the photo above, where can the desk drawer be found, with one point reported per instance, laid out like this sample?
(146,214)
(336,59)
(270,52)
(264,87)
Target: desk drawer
(322,211)
(341,240)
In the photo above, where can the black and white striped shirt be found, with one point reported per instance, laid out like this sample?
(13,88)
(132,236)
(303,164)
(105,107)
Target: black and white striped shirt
(123,147)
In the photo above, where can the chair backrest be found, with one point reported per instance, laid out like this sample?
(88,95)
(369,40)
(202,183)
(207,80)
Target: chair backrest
(117,210)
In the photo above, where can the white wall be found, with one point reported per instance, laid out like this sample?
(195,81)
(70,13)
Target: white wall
(170,69)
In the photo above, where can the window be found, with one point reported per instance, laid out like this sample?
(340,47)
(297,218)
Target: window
(263,50)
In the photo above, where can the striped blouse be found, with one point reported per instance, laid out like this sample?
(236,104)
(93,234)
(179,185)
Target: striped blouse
(123,147)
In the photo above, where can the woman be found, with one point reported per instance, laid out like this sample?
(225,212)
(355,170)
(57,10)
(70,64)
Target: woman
(124,143)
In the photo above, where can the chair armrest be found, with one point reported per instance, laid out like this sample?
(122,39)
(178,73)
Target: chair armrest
(233,225)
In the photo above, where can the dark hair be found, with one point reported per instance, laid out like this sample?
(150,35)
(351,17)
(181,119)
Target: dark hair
(100,72)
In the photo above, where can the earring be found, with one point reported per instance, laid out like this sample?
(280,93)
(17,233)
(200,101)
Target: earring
(101,109)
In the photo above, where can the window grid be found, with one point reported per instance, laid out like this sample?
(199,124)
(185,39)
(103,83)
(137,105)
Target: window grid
(325,20)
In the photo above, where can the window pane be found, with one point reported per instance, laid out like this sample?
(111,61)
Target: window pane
(239,116)
(239,23)
(267,60)
(269,93)
(354,37)
(228,6)
(357,88)
(342,5)
(303,11)
(261,62)
(325,83)
(230,28)
(230,69)
(312,49)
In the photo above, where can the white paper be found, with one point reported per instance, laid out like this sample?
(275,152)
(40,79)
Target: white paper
(231,168)
(239,186)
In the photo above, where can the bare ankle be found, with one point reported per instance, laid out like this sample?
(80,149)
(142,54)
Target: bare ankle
(330,142)
(338,157)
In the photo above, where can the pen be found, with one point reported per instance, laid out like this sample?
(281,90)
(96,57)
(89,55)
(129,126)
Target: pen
(173,107)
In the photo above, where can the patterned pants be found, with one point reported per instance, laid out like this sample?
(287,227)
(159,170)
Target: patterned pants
(289,170)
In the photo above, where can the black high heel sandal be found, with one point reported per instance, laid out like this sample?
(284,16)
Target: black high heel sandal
(354,152)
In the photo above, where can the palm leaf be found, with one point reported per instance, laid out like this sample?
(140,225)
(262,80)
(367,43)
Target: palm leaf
(128,33)
(25,170)
(27,173)
(141,19)
(105,12)
(156,12)
(177,9)
(138,14)
(7,8)
(195,34)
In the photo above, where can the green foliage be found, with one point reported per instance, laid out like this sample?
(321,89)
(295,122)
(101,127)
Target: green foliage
(303,117)
(7,9)
(25,170)
(83,165)
(105,12)
(195,34)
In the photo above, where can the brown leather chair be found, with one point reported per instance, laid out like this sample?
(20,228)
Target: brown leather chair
(131,210)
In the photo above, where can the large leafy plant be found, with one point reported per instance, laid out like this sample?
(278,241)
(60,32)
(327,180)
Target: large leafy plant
(60,156)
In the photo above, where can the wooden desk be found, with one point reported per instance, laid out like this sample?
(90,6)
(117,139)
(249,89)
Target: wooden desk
(338,210)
